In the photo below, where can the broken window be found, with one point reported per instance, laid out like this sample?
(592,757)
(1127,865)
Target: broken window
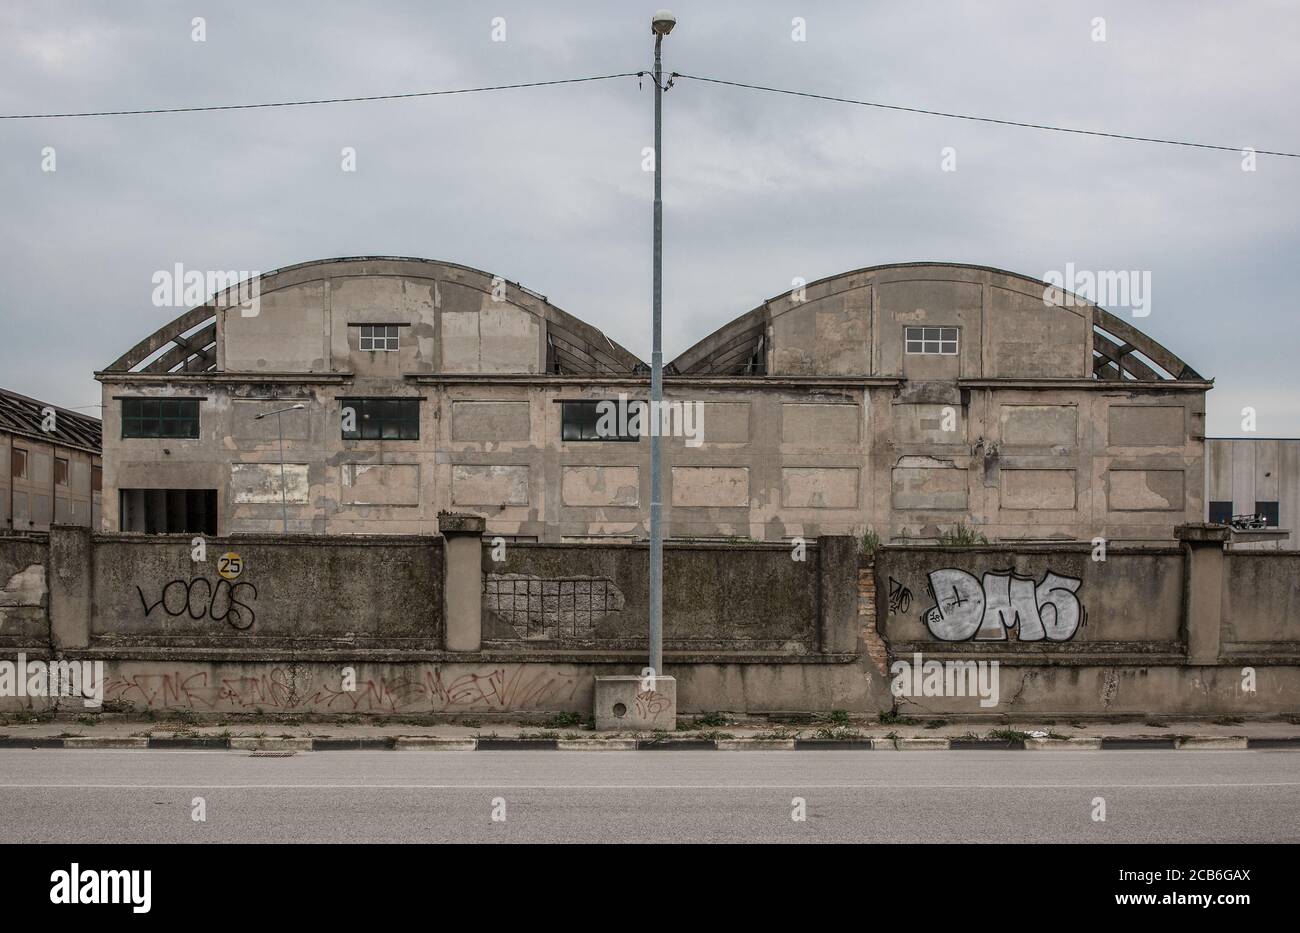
(60,471)
(379,337)
(160,417)
(396,419)
(1269,512)
(169,511)
(580,421)
(941,340)
(18,463)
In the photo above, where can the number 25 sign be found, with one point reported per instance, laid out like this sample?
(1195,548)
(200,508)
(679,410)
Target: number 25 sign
(230,565)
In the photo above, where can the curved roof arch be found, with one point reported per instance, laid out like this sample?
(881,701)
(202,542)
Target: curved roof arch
(187,344)
(1120,350)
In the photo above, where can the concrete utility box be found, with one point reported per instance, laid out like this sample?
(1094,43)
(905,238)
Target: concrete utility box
(622,704)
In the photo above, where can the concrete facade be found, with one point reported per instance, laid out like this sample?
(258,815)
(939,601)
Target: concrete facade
(1050,420)
(1247,475)
(47,476)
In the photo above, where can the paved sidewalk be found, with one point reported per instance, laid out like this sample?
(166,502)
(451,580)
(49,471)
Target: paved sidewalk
(566,732)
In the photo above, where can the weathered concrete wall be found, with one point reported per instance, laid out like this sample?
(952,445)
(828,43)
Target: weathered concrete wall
(716,597)
(303,591)
(364,625)
(1193,630)
(24,593)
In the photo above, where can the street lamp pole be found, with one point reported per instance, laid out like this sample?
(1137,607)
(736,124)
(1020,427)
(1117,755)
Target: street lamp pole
(279,428)
(661,25)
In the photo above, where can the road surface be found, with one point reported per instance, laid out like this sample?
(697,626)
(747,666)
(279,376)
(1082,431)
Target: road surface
(91,796)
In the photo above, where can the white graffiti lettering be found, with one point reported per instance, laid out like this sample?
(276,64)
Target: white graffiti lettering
(965,608)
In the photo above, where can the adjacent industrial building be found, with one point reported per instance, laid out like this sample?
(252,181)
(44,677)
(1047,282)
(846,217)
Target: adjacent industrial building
(50,469)
(901,399)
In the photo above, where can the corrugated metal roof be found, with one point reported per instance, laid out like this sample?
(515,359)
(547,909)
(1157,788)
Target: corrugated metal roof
(22,415)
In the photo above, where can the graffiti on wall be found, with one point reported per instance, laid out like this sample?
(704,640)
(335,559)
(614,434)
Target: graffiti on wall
(966,608)
(294,690)
(199,599)
(900,597)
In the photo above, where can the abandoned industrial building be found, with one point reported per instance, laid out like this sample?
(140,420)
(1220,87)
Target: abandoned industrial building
(49,466)
(904,399)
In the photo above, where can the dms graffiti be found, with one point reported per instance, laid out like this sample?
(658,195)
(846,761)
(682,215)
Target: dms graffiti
(964,608)
(198,598)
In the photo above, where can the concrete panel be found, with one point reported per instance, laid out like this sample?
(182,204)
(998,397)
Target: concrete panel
(1039,425)
(490,421)
(1146,426)
(924,424)
(1144,490)
(820,425)
(1027,337)
(380,483)
(718,487)
(726,422)
(819,488)
(289,334)
(460,342)
(601,486)
(828,336)
(931,487)
(1038,489)
(489,485)
(509,340)
(296,425)
(254,483)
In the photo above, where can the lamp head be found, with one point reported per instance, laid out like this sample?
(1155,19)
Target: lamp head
(662,23)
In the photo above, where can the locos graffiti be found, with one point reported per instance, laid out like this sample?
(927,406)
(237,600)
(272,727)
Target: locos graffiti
(198,598)
(964,608)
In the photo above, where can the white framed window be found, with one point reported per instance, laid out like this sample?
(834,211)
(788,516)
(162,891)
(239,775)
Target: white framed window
(379,337)
(940,340)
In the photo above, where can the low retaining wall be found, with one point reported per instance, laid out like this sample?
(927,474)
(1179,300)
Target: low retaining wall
(440,626)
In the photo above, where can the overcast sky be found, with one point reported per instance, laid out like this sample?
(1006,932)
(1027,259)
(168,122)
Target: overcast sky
(545,186)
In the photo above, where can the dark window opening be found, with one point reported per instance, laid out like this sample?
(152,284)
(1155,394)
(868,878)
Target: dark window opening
(96,479)
(373,419)
(18,463)
(169,511)
(1269,511)
(1221,513)
(590,421)
(160,417)
(60,471)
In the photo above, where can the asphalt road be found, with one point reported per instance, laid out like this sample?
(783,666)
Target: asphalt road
(672,796)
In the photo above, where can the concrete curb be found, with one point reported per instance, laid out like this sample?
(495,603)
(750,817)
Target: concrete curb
(593,744)
(596,745)
(1226,742)
(913,744)
(1063,745)
(430,743)
(251,743)
(106,741)
(762,745)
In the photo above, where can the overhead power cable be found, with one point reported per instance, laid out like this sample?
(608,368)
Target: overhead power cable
(310,103)
(963,116)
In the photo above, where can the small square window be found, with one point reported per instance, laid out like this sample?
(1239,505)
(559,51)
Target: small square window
(1269,511)
(383,337)
(940,341)
(1221,512)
